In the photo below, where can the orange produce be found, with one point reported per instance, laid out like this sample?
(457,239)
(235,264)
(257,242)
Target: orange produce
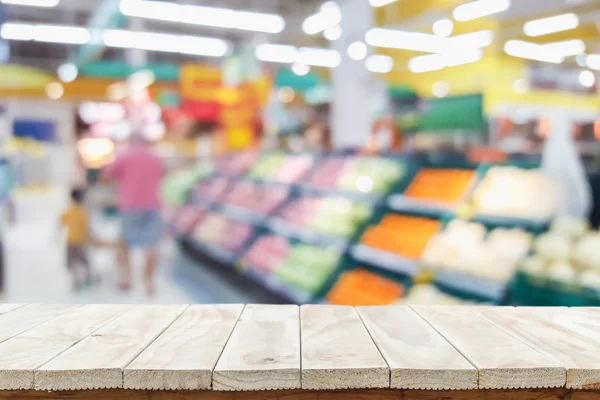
(401,234)
(363,288)
(445,185)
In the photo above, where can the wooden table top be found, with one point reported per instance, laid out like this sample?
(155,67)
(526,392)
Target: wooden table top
(312,347)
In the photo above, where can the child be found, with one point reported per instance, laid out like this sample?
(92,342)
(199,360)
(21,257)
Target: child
(75,219)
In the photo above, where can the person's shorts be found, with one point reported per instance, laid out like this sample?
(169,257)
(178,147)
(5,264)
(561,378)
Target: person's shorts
(142,228)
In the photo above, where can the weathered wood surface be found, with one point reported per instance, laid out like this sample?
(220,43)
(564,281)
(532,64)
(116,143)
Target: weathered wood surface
(263,352)
(97,362)
(257,351)
(337,351)
(418,356)
(184,356)
(503,361)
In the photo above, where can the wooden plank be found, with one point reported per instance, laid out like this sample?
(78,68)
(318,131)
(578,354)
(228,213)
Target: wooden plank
(360,394)
(24,318)
(418,356)
(97,361)
(337,351)
(263,351)
(584,321)
(184,356)
(503,361)
(579,355)
(6,307)
(21,355)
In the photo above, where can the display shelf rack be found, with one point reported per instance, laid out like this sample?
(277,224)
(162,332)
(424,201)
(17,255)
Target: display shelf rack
(385,260)
(307,235)
(471,285)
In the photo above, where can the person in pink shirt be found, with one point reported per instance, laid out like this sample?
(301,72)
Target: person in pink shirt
(138,173)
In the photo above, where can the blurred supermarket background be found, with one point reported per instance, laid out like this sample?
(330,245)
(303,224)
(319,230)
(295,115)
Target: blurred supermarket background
(353,152)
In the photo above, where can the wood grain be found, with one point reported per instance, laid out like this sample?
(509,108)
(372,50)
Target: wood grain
(21,355)
(418,356)
(263,352)
(6,307)
(503,361)
(362,394)
(24,318)
(584,321)
(97,361)
(337,351)
(579,355)
(184,356)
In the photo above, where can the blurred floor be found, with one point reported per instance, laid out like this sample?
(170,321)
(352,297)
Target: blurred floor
(36,270)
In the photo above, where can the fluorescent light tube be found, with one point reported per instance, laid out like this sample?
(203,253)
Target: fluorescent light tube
(379,63)
(544,26)
(202,15)
(280,53)
(480,8)
(328,16)
(45,33)
(32,3)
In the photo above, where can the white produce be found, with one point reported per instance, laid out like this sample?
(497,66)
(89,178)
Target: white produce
(590,279)
(587,251)
(533,265)
(562,271)
(553,247)
(568,226)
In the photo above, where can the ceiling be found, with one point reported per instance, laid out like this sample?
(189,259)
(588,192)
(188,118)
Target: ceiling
(410,15)
(79,12)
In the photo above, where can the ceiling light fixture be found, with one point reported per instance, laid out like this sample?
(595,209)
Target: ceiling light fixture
(379,63)
(319,57)
(565,48)
(32,3)
(443,27)
(593,61)
(380,3)
(532,51)
(426,42)
(195,45)
(479,8)
(436,62)
(202,15)
(357,51)
(45,33)
(587,78)
(300,69)
(276,53)
(329,15)
(333,33)
(558,23)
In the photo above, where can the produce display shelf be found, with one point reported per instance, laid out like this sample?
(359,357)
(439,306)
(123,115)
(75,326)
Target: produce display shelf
(217,253)
(371,198)
(506,221)
(385,260)
(399,202)
(307,235)
(274,284)
(241,214)
(471,285)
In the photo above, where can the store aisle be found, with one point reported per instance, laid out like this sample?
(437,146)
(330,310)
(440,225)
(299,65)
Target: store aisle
(35,263)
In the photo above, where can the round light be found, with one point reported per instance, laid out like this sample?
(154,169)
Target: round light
(67,72)
(300,69)
(286,94)
(357,50)
(440,89)
(333,33)
(587,78)
(520,86)
(55,90)
(581,60)
(443,27)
